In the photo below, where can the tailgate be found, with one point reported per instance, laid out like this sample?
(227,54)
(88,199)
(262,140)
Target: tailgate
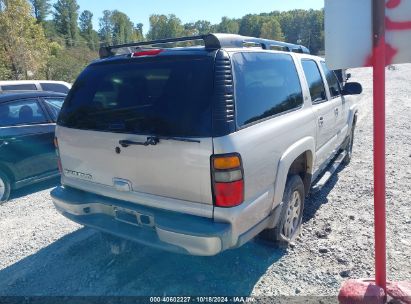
(131,99)
(179,170)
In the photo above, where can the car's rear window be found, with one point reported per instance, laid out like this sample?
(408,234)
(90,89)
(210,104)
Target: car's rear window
(19,87)
(54,87)
(167,96)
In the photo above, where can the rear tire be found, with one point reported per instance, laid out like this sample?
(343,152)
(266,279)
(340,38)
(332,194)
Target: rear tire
(5,188)
(349,147)
(288,229)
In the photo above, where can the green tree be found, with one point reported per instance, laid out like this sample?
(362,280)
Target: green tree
(138,32)
(313,36)
(250,25)
(23,46)
(304,27)
(41,9)
(67,64)
(65,18)
(162,26)
(228,25)
(190,29)
(203,27)
(87,31)
(272,30)
(106,28)
(116,28)
(122,28)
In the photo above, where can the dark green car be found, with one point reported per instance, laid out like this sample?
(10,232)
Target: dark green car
(27,153)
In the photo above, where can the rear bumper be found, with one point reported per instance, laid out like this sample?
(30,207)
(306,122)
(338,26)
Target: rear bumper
(170,231)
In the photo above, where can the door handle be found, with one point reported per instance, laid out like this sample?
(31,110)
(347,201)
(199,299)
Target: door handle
(321,121)
(337,112)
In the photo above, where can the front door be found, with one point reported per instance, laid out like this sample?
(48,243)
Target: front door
(341,107)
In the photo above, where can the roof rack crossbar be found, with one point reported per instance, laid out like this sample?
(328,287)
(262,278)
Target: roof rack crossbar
(211,41)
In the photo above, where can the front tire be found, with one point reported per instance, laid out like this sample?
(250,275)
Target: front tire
(289,227)
(349,147)
(5,188)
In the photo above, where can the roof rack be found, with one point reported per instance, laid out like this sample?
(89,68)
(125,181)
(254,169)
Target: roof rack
(211,41)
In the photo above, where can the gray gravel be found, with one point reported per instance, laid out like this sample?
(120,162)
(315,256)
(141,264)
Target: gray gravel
(42,253)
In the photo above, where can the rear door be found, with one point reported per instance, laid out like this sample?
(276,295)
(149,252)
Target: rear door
(115,108)
(27,138)
(324,111)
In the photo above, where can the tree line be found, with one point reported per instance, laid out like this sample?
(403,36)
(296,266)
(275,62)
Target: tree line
(41,40)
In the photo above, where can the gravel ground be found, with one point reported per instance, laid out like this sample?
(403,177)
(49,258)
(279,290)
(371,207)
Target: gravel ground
(42,253)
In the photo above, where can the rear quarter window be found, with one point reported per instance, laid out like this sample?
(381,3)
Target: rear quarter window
(266,84)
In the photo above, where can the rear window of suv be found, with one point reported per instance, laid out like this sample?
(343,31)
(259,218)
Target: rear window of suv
(266,84)
(168,96)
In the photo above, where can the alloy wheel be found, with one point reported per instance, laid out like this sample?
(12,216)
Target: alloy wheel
(292,216)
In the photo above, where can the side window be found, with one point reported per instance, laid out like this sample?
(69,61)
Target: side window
(266,84)
(332,80)
(22,112)
(54,105)
(315,81)
(54,87)
(19,87)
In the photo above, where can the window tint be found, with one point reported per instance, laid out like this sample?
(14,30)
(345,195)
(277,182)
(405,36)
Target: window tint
(169,96)
(54,87)
(19,87)
(315,81)
(22,112)
(332,80)
(54,105)
(266,84)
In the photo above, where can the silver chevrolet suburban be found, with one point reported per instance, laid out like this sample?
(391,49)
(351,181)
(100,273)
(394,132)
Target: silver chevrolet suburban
(198,144)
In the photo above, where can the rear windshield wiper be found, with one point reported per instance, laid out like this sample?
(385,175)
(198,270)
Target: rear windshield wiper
(154,141)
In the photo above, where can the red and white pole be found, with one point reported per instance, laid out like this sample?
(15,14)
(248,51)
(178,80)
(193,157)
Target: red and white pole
(368,291)
(379,64)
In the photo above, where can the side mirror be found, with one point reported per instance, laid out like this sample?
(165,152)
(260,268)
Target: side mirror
(352,88)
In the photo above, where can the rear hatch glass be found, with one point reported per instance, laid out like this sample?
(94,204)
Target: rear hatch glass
(165,97)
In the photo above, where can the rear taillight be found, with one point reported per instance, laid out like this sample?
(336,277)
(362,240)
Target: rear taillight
(228,180)
(56,145)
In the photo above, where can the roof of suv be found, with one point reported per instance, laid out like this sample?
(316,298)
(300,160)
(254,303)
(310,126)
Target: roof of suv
(13,95)
(212,42)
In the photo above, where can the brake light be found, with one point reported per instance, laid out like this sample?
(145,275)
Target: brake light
(227,180)
(56,145)
(146,53)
